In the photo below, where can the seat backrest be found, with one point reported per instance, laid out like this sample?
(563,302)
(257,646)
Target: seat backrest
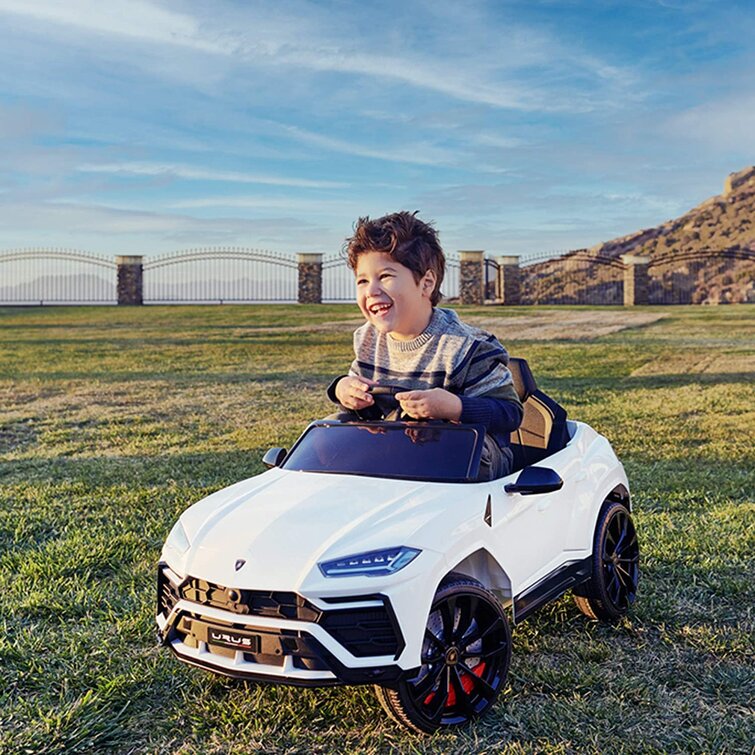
(543,429)
(524,380)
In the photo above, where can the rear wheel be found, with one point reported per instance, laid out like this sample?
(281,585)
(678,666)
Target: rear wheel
(612,587)
(465,660)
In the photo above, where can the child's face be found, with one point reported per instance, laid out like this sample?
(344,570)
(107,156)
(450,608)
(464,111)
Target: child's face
(390,298)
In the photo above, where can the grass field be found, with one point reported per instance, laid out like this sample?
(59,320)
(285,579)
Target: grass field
(113,420)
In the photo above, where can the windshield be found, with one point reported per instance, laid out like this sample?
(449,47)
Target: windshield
(421,451)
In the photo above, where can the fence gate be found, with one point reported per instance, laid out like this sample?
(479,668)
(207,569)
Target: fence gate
(56,276)
(577,278)
(217,275)
(699,276)
(492,269)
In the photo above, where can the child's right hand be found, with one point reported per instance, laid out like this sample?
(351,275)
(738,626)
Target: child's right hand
(351,392)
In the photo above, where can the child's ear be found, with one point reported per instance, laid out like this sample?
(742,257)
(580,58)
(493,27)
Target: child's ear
(428,282)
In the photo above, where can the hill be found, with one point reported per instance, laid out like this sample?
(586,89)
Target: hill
(705,256)
(721,222)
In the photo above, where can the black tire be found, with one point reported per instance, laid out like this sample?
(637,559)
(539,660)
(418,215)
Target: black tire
(465,660)
(612,587)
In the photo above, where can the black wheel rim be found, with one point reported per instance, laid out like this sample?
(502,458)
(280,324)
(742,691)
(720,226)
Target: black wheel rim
(464,660)
(621,559)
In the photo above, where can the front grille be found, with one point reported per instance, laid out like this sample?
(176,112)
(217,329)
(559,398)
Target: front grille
(167,596)
(363,631)
(278,605)
(274,644)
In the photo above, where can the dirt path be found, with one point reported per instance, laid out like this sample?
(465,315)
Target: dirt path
(546,325)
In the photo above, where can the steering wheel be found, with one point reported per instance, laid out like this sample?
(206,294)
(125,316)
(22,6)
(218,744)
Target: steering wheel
(385,401)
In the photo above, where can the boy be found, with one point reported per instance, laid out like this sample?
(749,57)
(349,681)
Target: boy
(451,370)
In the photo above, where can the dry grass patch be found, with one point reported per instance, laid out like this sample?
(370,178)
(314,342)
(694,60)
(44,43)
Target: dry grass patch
(570,325)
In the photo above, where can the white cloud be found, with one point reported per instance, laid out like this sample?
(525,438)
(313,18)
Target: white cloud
(417,154)
(720,124)
(322,40)
(288,204)
(136,19)
(104,229)
(200,174)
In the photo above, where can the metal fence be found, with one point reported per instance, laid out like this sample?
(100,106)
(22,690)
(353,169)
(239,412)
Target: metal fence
(579,277)
(240,274)
(217,275)
(338,279)
(56,276)
(694,277)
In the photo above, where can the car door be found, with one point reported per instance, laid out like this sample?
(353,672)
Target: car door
(532,530)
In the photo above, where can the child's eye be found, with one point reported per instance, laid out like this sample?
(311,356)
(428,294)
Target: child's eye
(383,276)
(360,281)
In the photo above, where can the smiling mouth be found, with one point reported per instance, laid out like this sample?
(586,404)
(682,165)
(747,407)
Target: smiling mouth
(379,309)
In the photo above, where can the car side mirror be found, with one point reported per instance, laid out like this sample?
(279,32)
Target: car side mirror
(535,480)
(274,457)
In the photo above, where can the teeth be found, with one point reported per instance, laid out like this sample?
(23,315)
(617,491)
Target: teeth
(375,308)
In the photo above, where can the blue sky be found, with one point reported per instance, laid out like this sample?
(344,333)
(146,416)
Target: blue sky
(138,126)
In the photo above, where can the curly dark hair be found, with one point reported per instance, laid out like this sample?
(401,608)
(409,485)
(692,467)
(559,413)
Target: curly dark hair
(409,240)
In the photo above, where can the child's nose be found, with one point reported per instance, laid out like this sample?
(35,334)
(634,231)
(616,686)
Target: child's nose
(373,287)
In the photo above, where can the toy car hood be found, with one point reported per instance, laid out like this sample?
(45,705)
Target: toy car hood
(282,523)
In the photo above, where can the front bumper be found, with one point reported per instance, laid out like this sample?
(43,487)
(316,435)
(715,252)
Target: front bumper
(279,637)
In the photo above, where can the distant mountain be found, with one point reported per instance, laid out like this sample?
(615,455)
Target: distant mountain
(707,256)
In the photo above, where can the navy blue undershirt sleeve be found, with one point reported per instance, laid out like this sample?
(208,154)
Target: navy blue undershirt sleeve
(499,415)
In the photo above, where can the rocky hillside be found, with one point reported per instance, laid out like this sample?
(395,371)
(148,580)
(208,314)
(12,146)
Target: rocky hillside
(720,222)
(686,260)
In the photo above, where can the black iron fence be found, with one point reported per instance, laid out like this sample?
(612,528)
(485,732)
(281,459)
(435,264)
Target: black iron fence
(239,274)
(338,279)
(224,274)
(696,277)
(56,276)
(579,277)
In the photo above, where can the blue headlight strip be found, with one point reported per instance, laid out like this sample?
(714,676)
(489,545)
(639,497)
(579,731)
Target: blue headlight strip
(380,563)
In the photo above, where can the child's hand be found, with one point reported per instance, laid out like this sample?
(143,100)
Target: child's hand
(435,403)
(351,392)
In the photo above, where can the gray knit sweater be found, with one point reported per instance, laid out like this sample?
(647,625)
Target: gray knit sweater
(448,354)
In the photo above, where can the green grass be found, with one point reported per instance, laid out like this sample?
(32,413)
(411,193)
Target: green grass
(113,420)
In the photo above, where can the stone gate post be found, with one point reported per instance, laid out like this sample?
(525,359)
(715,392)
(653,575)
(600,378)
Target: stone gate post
(130,279)
(509,280)
(471,277)
(636,279)
(310,278)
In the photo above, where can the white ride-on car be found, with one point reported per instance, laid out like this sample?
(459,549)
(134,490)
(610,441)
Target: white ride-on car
(369,554)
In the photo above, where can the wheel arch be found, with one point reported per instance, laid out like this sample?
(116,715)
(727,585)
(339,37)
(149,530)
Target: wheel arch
(620,494)
(484,567)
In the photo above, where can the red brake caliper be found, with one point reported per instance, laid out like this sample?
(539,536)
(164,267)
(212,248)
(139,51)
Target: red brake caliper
(466,684)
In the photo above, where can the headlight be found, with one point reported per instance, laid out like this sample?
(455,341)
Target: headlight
(373,564)
(177,539)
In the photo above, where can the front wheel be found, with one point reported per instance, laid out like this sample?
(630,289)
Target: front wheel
(465,660)
(612,587)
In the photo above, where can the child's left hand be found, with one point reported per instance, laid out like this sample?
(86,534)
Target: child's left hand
(435,403)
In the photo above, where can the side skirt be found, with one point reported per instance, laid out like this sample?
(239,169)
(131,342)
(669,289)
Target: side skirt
(551,587)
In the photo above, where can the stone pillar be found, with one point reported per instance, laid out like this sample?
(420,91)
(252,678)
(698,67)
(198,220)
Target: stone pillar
(310,278)
(471,277)
(509,280)
(130,279)
(636,279)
